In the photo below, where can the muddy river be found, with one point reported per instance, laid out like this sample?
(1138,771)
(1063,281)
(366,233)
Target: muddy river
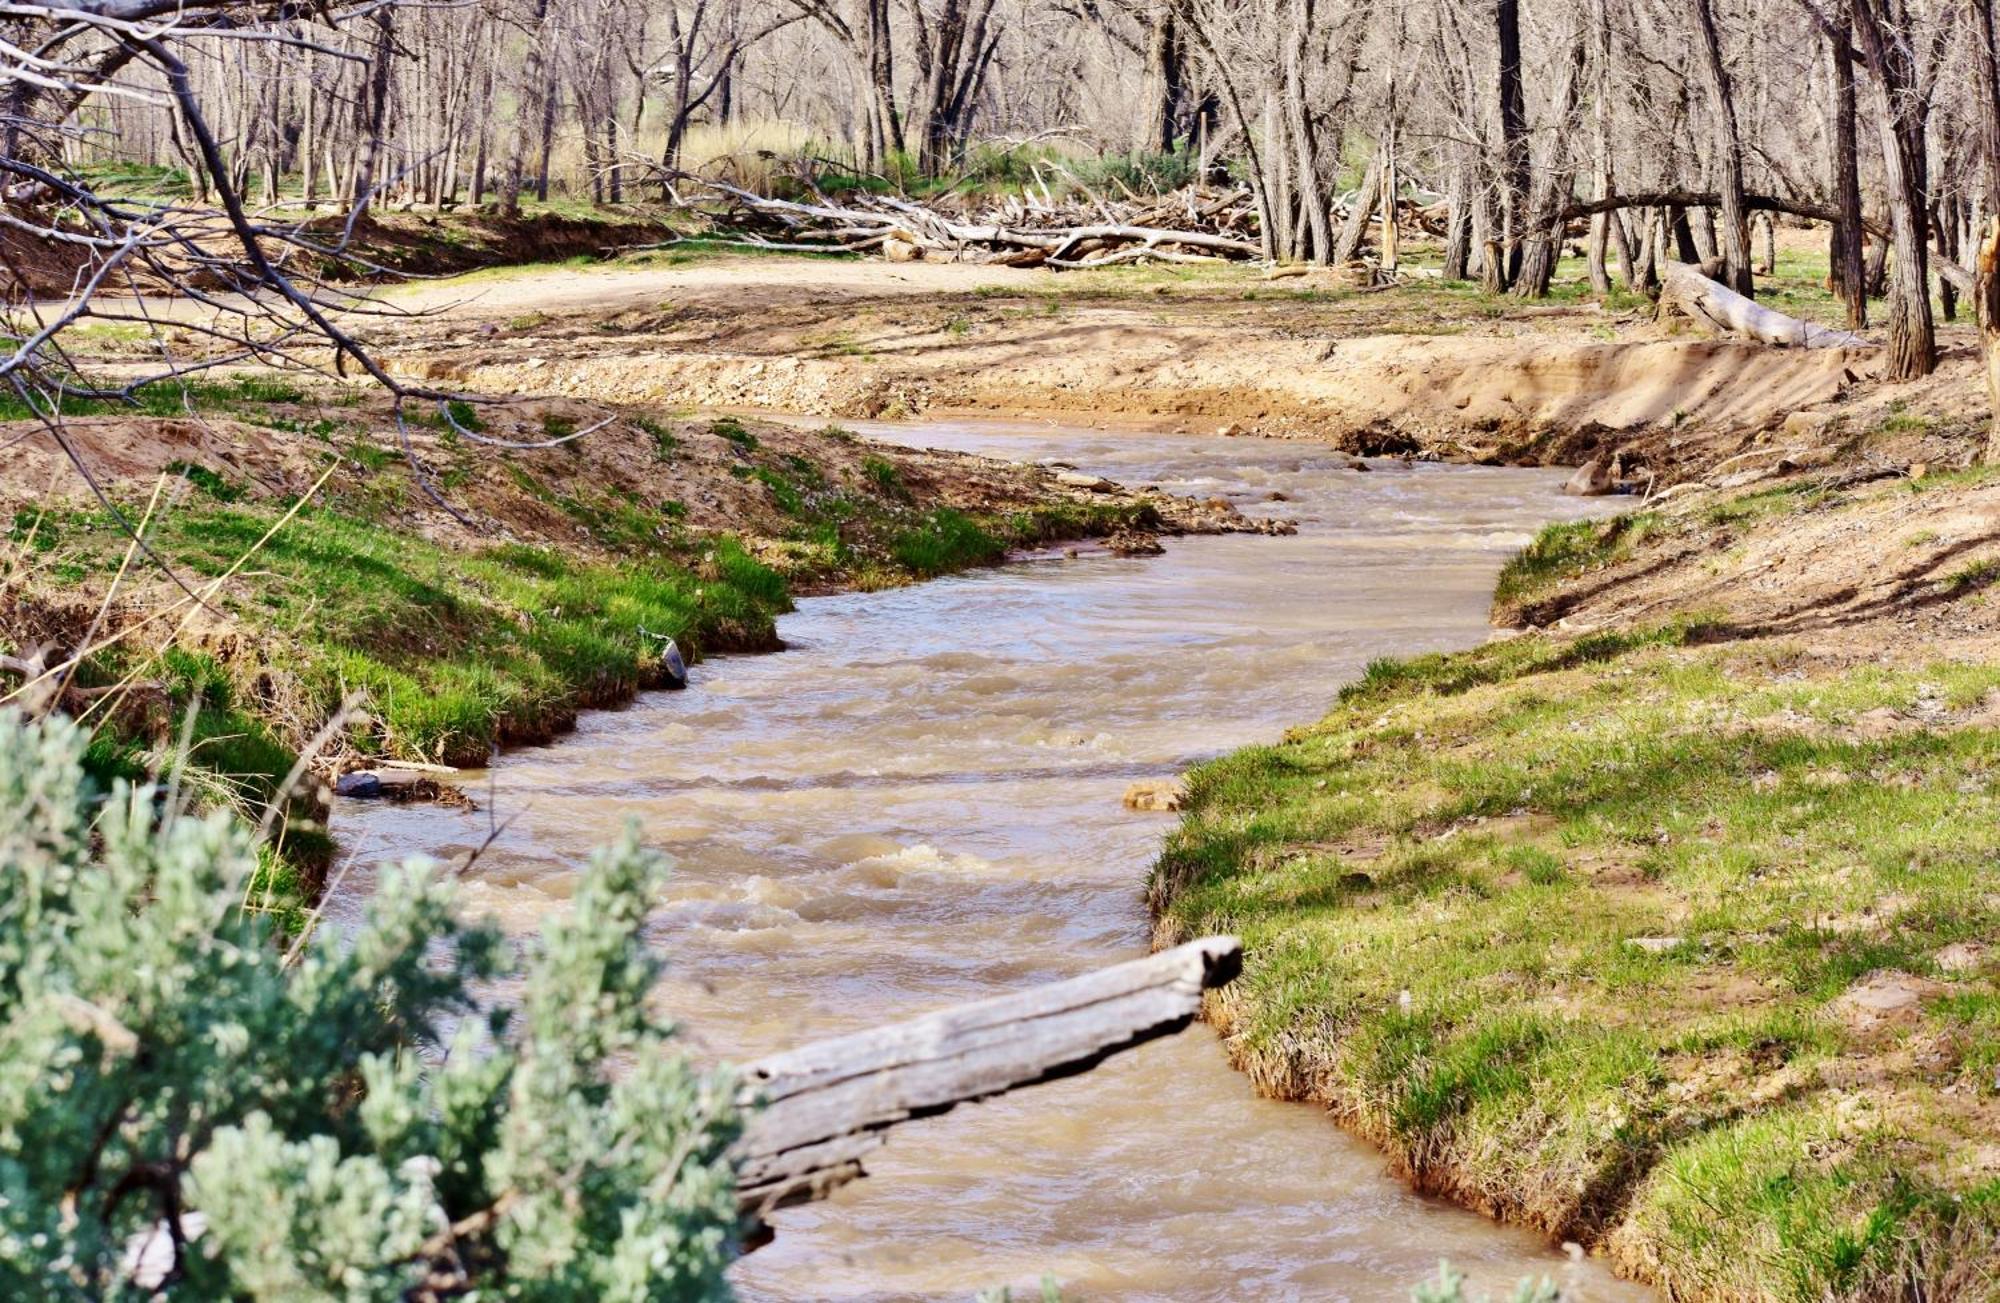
(918,803)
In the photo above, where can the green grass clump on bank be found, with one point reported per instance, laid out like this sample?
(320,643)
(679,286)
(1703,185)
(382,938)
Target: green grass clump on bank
(1675,948)
(1569,549)
(456,651)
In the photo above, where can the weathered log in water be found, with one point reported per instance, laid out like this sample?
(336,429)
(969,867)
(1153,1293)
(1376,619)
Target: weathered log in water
(827,1104)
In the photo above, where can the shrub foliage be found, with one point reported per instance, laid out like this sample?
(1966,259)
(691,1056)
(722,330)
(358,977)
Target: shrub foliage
(189,1101)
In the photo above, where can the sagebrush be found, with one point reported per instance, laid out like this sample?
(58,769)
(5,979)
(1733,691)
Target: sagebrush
(190,1102)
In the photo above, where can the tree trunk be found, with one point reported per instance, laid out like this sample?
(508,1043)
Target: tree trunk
(1728,156)
(1986,282)
(1457,227)
(1847,255)
(534,84)
(377,104)
(1355,232)
(1600,223)
(1163,82)
(1912,334)
(1629,270)
(1514,155)
(1541,237)
(1723,310)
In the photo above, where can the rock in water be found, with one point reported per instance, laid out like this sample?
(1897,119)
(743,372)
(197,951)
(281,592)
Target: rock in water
(1155,794)
(672,667)
(1592,480)
(362,786)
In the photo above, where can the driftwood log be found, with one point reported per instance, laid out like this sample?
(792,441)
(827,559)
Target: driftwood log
(828,1104)
(1715,306)
(1184,227)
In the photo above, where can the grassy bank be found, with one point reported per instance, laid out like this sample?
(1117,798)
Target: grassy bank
(452,638)
(1675,945)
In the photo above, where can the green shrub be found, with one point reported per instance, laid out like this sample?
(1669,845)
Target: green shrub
(163,1055)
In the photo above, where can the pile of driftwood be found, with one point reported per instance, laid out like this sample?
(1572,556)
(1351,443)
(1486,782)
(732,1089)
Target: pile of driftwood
(1194,224)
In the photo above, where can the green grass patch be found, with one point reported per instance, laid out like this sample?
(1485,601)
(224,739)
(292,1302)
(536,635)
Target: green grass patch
(733,431)
(883,475)
(456,651)
(1566,550)
(944,541)
(210,482)
(1569,927)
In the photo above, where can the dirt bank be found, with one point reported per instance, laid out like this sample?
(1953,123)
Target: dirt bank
(1425,366)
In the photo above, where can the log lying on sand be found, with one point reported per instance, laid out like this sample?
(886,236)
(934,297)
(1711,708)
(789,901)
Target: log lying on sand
(827,1104)
(1724,311)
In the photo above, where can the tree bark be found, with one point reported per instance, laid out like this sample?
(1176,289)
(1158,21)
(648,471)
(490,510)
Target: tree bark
(1728,155)
(1355,232)
(1986,274)
(1164,81)
(1458,228)
(1514,155)
(1847,254)
(1912,334)
(1723,310)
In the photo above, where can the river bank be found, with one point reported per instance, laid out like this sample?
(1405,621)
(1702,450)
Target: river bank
(319,568)
(1427,367)
(1664,925)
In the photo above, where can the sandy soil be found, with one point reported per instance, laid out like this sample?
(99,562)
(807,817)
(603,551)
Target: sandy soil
(1895,569)
(1419,367)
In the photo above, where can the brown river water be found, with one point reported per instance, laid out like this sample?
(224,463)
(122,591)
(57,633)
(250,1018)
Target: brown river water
(918,804)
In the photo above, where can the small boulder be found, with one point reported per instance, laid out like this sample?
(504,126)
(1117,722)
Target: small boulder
(1156,795)
(1134,543)
(362,785)
(898,249)
(1592,480)
(1084,480)
(1960,957)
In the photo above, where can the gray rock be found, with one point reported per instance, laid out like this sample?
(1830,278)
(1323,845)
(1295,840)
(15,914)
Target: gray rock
(360,786)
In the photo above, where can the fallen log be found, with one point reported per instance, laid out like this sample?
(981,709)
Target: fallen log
(1714,305)
(826,1105)
(1014,233)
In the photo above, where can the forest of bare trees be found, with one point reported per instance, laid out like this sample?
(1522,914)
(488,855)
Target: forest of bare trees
(1679,130)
